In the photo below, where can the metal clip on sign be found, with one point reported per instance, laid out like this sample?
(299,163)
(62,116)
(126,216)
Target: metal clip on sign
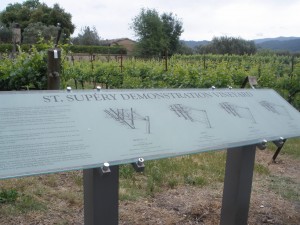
(105,170)
(139,166)
(262,145)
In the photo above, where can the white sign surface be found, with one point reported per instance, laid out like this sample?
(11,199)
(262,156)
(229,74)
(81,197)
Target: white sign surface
(52,131)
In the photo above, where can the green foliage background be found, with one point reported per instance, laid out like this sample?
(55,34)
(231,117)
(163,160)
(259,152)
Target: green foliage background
(7,48)
(281,73)
(26,70)
(34,11)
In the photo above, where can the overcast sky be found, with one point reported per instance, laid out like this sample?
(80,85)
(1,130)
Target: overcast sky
(202,19)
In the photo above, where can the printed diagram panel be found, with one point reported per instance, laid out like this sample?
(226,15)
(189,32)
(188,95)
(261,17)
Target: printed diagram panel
(129,118)
(238,111)
(277,109)
(191,114)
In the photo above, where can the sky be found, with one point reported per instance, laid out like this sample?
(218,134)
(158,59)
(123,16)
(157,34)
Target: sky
(201,19)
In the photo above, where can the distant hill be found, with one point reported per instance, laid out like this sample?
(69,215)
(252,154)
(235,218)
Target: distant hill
(291,44)
(259,41)
(193,44)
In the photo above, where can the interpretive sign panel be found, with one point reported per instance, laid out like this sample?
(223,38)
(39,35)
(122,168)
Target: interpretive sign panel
(51,131)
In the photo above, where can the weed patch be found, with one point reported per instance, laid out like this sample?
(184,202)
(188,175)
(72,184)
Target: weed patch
(28,203)
(8,196)
(261,169)
(285,187)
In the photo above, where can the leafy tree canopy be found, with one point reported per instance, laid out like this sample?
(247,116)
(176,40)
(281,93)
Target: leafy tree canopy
(32,11)
(156,33)
(88,36)
(5,34)
(36,31)
(228,45)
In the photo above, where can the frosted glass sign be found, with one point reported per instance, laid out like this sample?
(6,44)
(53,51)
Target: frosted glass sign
(51,131)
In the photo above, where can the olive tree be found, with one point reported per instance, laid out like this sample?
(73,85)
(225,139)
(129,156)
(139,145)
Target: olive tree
(156,33)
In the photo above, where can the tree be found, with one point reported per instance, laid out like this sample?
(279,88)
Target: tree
(156,33)
(32,11)
(184,49)
(228,45)
(172,29)
(87,36)
(5,34)
(34,31)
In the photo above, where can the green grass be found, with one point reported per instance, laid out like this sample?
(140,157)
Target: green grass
(64,222)
(22,204)
(261,169)
(8,196)
(72,198)
(28,203)
(16,196)
(285,187)
(197,170)
(22,195)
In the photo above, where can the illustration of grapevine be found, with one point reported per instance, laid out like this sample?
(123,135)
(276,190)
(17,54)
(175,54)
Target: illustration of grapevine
(128,117)
(191,114)
(274,108)
(238,111)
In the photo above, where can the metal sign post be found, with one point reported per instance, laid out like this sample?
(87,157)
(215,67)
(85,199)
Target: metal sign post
(54,64)
(54,61)
(16,38)
(237,185)
(101,196)
(252,82)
